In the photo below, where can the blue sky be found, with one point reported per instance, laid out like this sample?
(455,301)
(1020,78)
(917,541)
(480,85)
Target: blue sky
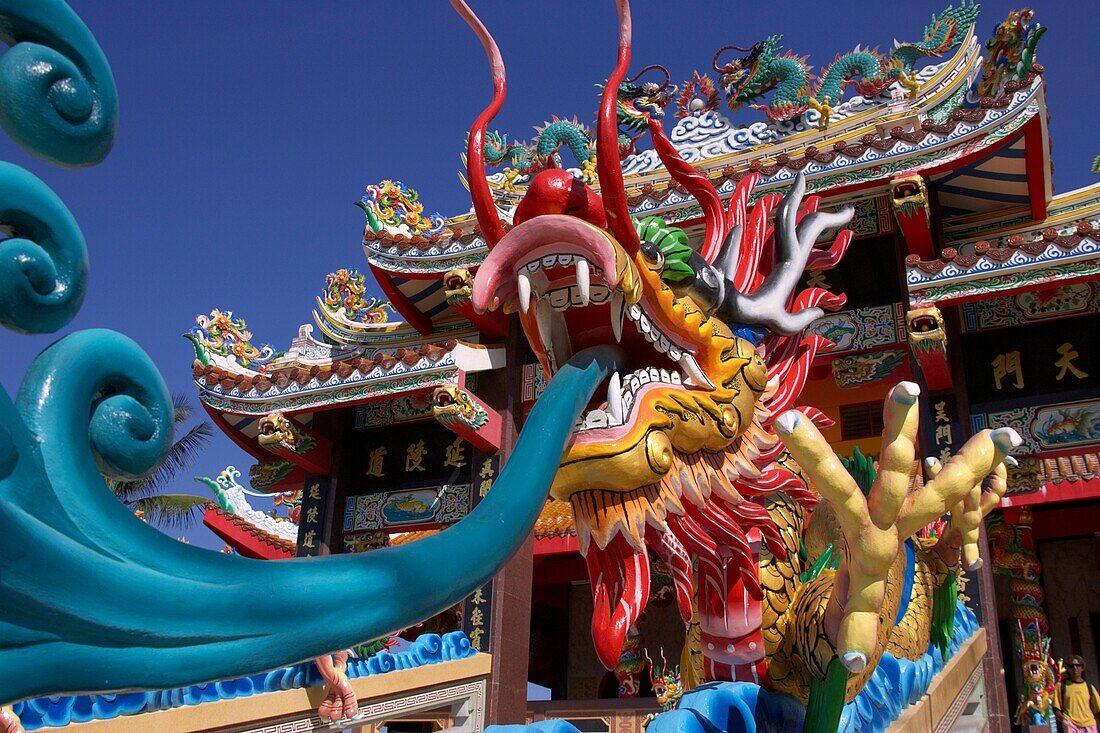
(249,128)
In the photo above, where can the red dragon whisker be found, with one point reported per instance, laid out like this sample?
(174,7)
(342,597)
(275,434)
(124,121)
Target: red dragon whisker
(608,168)
(491,226)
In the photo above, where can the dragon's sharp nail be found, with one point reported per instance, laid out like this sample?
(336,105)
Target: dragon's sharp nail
(1006,439)
(906,393)
(854,662)
(786,423)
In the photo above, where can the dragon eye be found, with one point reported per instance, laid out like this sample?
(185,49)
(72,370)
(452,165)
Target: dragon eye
(654,258)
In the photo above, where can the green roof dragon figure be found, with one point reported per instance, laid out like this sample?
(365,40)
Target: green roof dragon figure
(747,79)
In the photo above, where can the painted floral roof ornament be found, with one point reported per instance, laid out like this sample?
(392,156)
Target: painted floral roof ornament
(394,209)
(1010,52)
(344,295)
(221,334)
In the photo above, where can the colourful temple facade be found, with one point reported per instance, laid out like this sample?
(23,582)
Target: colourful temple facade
(387,421)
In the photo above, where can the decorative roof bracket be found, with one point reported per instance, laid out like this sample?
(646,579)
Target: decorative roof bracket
(909,199)
(458,286)
(291,441)
(928,339)
(461,412)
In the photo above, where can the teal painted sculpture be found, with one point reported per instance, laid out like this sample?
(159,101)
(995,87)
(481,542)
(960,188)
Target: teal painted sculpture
(93,599)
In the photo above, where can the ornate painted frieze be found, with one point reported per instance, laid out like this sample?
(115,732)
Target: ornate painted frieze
(414,507)
(387,412)
(1037,257)
(861,329)
(1055,427)
(860,370)
(1031,306)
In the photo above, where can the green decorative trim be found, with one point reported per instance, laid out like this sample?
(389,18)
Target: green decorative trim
(1001,283)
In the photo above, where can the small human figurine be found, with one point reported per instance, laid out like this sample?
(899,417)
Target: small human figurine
(1076,702)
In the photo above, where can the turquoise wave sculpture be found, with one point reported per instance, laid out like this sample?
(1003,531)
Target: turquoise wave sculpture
(57,94)
(91,598)
(58,711)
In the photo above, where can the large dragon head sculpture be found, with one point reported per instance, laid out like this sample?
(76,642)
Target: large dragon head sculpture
(673,451)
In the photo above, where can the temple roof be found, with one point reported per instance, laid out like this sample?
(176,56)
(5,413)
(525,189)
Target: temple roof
(1008,252)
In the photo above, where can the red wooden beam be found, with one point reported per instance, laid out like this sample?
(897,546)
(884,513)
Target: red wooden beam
(1037,167)
(1078,521)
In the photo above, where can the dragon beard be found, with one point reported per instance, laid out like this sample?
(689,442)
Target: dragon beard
(705,522)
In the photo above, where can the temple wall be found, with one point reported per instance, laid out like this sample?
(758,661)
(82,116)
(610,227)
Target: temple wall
(1072,586)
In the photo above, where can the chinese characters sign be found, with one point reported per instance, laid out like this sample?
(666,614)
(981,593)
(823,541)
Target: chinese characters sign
(311,524)
(477,616)
(1032,361)
(423,454)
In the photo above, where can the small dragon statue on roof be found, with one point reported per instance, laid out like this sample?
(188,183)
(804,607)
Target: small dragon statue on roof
(764,69)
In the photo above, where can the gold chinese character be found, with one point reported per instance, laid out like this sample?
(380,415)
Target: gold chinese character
(1008,365)
(483,490)
(308,539)
(475,639)
(1066,362)
(943,435)
(941,412)
(311,515)
(479,597)
(315,492)
(374,462)
(456,454)
(945,455)
(487,470)
(477,618)
(414,457)
(817,280)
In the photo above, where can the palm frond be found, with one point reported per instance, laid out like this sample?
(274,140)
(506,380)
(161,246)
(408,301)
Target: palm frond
(181,408)
(182,453)
(172,511)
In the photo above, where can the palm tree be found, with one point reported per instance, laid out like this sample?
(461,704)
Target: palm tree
(148,495)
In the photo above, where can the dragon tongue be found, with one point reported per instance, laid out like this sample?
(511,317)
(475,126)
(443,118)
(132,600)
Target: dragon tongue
(620,580)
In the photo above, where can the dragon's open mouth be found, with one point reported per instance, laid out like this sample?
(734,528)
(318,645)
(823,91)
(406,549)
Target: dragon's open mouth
(574,287)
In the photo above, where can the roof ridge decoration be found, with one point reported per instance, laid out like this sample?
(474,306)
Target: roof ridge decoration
(793,90)
(232,498)
(1010,53)
(344,298)
(394,209)
(223,337)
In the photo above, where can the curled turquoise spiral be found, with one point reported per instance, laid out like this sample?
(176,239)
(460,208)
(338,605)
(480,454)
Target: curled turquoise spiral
(57,96)
(97,388)
(44,262)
